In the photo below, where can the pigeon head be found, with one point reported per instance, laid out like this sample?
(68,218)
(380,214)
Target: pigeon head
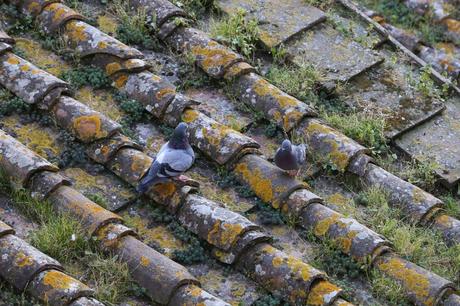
(286,145)
(179,139)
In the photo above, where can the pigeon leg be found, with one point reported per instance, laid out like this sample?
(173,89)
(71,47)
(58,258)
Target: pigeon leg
(183,180)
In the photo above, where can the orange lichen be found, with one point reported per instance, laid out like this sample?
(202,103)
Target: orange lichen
(23,261)
(102,45)
(121,81)
(213,56)
(195,291)
(111,68)
(88,127)
(452,25)
(320,291)
(145,261)
(322,227)
(190,115)
(13,60)
(444,220)
(411,279)
(58,280)
(260,185)
(164,190)
(140,164)
(215,134)
(165,92)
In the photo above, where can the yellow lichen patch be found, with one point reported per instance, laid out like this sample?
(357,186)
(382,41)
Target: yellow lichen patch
(277,261)
(107,24)
(260,185)
(299,267)
(215,134)
(195,291)
(339,158)
(75,30)
(101,101)
(158,234)
(101,45)
(81,178)
(44,59)
(322,227)
(320,291)
(22,260)
(212,57)
(411,279)
(190,115)
(345,242)
(34,137)
(88,127)
(145,261)
(58,280)
(264,88)
(338,200)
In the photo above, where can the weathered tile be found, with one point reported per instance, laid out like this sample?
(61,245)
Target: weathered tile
(389,93)
(219,107)
(278,20)
(437,140)
(337,57)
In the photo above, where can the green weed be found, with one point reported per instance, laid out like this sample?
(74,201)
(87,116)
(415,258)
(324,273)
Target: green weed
(195,8)
(194,253)
(299,82)
(237,32)
(10,104)
(421,173)
(99,199)
(134,27)
(388,289)
(366,129)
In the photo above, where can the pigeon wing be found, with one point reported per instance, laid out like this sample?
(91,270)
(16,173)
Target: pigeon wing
(174,162)
(301,154)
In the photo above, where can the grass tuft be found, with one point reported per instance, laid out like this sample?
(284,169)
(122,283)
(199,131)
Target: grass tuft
(299,82)
(237,32)
(366,129)
(134,28)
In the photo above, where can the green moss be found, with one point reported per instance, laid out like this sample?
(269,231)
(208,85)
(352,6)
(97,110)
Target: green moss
(87,76)
(269,300)
(193,253)
(10,104)
(237,32)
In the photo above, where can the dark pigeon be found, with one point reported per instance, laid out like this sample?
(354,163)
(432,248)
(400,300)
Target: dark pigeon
(290,157)
(175,157)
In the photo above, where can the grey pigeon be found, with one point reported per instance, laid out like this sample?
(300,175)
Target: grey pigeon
(290,157)
(175,157)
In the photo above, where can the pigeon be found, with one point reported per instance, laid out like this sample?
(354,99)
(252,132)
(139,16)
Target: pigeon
(174,158)
(290,157)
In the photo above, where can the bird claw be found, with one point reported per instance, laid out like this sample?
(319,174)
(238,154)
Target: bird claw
(293,173)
